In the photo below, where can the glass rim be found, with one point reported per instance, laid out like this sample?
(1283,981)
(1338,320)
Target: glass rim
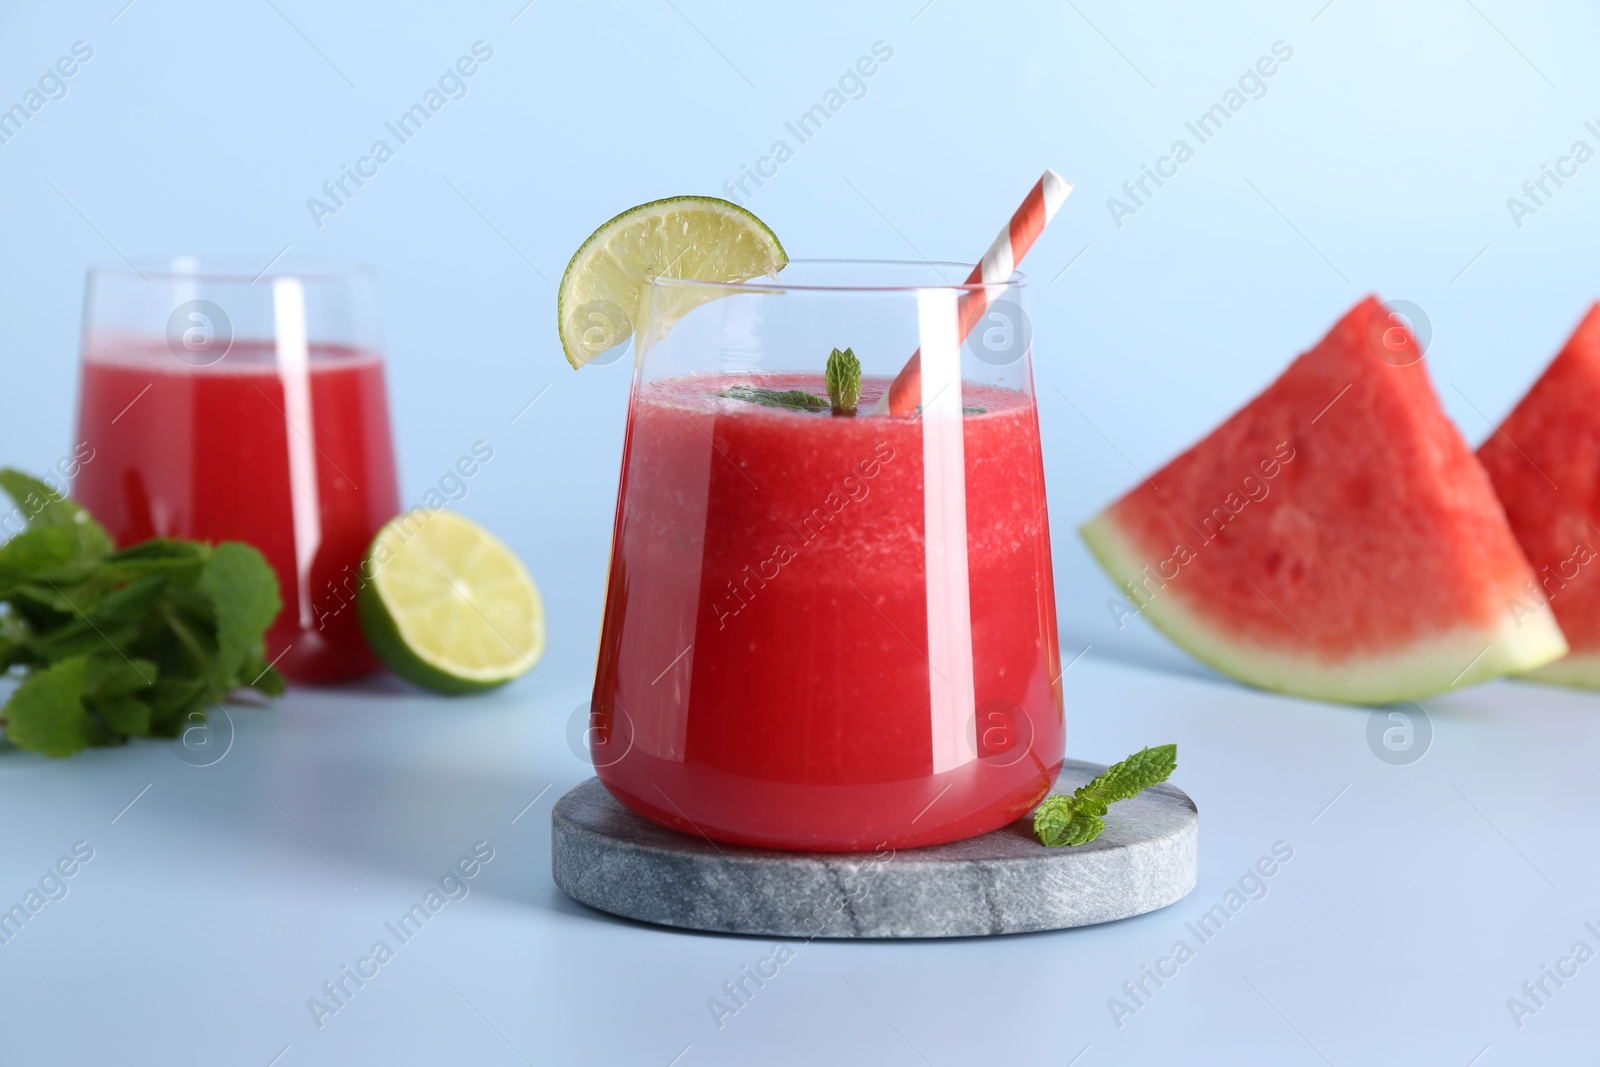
(770,283)
(229,269)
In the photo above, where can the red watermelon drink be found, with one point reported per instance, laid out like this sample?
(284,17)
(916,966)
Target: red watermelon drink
(768,638)
(826,633)
(830,620)
(283,444)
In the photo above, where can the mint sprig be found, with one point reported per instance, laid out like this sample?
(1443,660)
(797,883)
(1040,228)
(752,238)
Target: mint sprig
(1078,819)
(118,644)
(843,378)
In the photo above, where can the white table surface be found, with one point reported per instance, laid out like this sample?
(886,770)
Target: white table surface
(216,904)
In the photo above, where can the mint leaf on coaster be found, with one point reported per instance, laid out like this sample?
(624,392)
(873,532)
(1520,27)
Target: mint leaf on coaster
(1078,819)
(118,644)
(843,377)
(793,399)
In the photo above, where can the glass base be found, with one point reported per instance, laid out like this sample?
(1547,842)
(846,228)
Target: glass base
(311,657)
(966,802)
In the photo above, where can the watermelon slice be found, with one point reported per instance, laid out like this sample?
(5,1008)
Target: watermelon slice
(1335,538)
(1544,461)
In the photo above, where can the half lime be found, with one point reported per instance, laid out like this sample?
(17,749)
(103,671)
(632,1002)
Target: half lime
(448,606)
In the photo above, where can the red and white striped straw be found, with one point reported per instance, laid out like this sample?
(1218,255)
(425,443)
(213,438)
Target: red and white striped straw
(992,272)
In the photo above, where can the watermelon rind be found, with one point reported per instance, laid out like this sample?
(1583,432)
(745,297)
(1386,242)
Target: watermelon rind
(1426,667)
(1551,436)
(1580,670)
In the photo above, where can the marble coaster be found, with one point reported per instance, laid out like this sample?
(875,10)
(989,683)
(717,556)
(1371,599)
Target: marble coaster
(1003,882)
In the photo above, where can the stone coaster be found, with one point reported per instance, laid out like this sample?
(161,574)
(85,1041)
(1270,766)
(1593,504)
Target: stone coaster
(1003,882)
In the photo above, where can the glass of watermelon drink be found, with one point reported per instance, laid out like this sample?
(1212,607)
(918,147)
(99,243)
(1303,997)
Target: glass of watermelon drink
(827,632)
(226,403)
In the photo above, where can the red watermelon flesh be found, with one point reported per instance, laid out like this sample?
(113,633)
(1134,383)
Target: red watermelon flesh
(1544,461)
(1334,538)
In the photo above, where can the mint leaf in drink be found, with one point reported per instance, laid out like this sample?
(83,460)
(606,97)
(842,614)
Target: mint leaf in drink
(1078,819)
(793,399)
(118,644)
(843,377)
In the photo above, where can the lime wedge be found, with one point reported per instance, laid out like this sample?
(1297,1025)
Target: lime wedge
(448,606)
(697,237)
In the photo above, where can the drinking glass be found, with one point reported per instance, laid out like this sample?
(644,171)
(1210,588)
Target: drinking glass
(222,403)
(824,632)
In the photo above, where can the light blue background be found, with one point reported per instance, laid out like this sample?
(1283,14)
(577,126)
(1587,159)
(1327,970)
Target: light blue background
(1380,159)
(1391,141)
